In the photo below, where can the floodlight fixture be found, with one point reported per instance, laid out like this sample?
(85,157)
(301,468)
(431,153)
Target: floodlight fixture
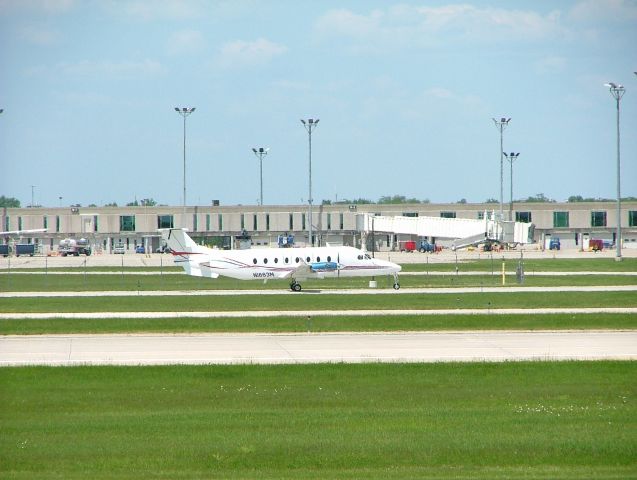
(184,112)
(260,152)
(501,125)
(617,91)
(309,126)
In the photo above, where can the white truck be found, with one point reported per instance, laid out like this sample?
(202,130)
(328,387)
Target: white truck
(70,246)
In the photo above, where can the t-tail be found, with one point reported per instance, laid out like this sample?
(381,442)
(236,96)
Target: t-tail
(191,257)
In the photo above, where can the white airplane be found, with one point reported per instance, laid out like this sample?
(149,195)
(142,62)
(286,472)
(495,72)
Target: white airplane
(273,263)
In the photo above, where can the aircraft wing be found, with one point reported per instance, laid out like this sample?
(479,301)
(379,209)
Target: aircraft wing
(303,270)
(313,270)
(22,232)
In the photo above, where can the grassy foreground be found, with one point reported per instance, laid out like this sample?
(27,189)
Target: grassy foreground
(511,420)
(336,323)
(380,301)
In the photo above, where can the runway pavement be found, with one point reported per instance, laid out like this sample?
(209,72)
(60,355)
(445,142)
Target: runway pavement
(70,350)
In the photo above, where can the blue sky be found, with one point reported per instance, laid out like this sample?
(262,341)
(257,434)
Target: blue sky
(405,93)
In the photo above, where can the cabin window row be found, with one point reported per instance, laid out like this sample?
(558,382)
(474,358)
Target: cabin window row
(286,260)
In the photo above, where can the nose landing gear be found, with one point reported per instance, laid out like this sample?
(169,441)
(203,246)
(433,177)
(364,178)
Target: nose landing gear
(396,284)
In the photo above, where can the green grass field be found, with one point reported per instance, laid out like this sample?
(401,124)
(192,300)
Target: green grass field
(491,277)
(392,421)
(381,301)
(337,323)
(307,301)
(510,420)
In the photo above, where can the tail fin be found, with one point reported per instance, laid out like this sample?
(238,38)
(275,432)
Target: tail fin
(179,242)
(188,255)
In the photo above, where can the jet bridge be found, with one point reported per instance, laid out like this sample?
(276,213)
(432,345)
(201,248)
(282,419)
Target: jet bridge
(465,231)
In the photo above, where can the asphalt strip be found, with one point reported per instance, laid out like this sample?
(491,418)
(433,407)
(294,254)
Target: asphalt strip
(357,291)
(192,349)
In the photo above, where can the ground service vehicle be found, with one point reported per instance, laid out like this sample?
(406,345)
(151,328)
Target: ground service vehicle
(425,246)
(554,244)
(4,250)
(24,249)
(70,246)
(596,245)
(407,246)
(119,249)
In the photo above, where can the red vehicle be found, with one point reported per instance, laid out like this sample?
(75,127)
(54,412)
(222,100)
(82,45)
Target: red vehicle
(596,245)
(407,246)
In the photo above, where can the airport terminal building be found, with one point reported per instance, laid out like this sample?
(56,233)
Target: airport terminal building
(244,225)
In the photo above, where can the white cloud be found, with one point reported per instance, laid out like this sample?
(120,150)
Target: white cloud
(108,68)
(152,10)
(549,64)
(598,10)
(411,26)
(46,6)
(245,54)
(347,23)
(185,42)
(41,36)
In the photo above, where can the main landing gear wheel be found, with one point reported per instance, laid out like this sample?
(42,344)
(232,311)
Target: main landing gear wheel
(296,287)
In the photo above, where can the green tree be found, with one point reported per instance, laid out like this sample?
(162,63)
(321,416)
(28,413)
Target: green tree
(397,199)
(539,198)
(9,202)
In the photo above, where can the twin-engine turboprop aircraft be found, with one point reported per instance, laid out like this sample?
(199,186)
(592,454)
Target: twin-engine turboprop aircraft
(272,263)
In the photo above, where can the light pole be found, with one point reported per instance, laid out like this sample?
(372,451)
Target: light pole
(32,194)
(512,157)
(501,125)
(259,152)
(309,126)
(184,112)
(617,91)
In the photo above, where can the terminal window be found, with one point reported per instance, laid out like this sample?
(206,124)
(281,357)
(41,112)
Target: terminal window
(524,217)
(127,223)
(165,221)
(598,219)
(632,218)
(560,219)
(447,214)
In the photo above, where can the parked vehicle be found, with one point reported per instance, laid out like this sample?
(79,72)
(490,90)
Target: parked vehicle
(70,246)
(5,250)
(407,246)
(555,244)
(596,245)
(425,246)
(25,249)
(119,249)
(140,249)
